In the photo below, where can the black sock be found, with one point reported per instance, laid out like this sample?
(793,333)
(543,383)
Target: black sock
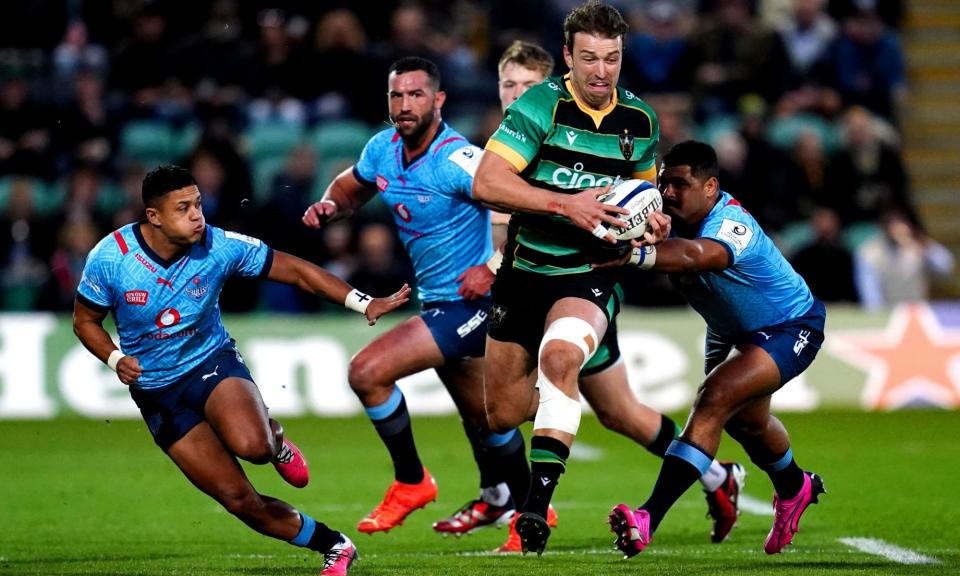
(397,434)
(315,535)
(548,460)
(668,431)
(511,459)
(786,476)
(489,474)
(680,469)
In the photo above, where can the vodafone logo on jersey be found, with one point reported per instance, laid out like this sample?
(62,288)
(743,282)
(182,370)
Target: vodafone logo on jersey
(403,212)
(167,317)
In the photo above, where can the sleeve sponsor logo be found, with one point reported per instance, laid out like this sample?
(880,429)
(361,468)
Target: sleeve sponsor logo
(241,237)
(520,136)
(136,297)
(736,233)
(382,183)
(467,158)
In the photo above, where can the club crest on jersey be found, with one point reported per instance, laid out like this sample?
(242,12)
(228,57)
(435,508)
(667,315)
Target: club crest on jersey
(626,145)
(136,297)
(197,288)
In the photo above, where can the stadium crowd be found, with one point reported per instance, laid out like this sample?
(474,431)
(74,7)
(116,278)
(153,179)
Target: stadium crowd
(265,102)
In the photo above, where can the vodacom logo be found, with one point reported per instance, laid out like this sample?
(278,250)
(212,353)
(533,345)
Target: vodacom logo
(168,317)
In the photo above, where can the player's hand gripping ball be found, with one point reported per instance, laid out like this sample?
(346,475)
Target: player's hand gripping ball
(641,198)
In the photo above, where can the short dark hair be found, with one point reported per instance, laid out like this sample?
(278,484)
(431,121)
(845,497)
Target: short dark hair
(414,63)
(527,55)
(163,180)
(594,18)
(700,157)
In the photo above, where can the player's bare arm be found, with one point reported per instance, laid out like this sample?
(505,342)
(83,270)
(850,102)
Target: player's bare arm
(344,195)
(498,184)
(297,272)
(88,326)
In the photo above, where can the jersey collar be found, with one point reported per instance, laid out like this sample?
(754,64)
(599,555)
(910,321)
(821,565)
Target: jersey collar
(166,263)
(596,115)
(441,128)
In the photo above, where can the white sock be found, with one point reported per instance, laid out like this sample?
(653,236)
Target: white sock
(497,495)
(714,477)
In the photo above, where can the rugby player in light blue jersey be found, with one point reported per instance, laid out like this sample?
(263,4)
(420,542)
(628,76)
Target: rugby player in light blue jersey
(764,327)
(423,170)
(161,279)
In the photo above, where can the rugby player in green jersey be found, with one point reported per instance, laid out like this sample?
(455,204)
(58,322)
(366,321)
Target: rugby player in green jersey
(559,147)
(603,380)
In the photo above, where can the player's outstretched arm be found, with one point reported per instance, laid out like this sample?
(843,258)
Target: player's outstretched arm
(88,326)
(344,195)
(498,184)
(311,278)
(675,255)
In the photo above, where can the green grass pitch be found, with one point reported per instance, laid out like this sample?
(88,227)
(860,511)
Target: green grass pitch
(97,497)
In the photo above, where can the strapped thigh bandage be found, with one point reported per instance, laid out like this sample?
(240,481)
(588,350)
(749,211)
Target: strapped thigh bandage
(557,410)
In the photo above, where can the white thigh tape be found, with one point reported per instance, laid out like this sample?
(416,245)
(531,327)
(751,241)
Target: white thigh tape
(575,331)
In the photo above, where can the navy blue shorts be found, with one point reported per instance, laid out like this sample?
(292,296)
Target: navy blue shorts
(793,344)
(172,411)
(459,327)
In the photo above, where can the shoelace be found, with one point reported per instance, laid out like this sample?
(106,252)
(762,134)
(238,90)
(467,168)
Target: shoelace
(332,556)
(284,456)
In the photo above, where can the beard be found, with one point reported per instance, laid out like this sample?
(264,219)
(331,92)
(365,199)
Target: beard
(414,134)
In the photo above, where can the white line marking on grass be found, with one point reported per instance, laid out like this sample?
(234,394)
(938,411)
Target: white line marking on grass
(754,506)
(585,452)
(888,551)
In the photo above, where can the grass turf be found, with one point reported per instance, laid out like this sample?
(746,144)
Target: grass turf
(97,497)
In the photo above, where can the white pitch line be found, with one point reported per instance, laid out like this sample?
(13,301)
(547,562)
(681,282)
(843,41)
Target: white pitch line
(755,506)
(888,551)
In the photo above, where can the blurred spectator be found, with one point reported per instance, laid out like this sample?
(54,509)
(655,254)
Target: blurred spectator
(802,179)
(869,65)
(25,144)
(867,177)
(142,63)
(26,244)
(281,77)
(75,240)
(673,114)
(85,185)
(380,269)
(217,62)
(897,265)
(655,49)
(339,250)
(75,53)
(85,131)
(808,35)
(292,190)
(890,11)
(732,54)
(825,263)
(348,81)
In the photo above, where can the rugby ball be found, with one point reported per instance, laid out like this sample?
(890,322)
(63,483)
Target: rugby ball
(641,198)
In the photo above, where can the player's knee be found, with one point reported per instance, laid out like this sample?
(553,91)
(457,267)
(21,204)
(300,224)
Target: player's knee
(242,503)
(257,450)
(560,360)
(364,374)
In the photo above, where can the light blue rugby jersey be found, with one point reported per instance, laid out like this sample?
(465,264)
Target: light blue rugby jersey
(168,312)
(758,289)
(443,228)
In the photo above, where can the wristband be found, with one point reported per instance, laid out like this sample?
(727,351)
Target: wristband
(114,359)
(336,207)
(357,300)
(644,257)
(494,262)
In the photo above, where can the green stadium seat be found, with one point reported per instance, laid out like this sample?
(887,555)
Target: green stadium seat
(148,142)
(272,140)
(340,139)
(856,234)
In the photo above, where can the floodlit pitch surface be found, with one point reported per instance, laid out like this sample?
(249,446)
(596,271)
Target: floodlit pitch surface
(96,497)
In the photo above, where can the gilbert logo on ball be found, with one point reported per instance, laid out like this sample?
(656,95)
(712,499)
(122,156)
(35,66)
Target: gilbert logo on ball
(640,198)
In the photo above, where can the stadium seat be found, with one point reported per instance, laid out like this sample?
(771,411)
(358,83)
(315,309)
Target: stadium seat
(783,132)
(272,140)
(148,142)
(856,234)
(340,139)
(793,237)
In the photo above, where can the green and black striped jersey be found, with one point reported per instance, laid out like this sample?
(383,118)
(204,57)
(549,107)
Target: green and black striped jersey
(558,143)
